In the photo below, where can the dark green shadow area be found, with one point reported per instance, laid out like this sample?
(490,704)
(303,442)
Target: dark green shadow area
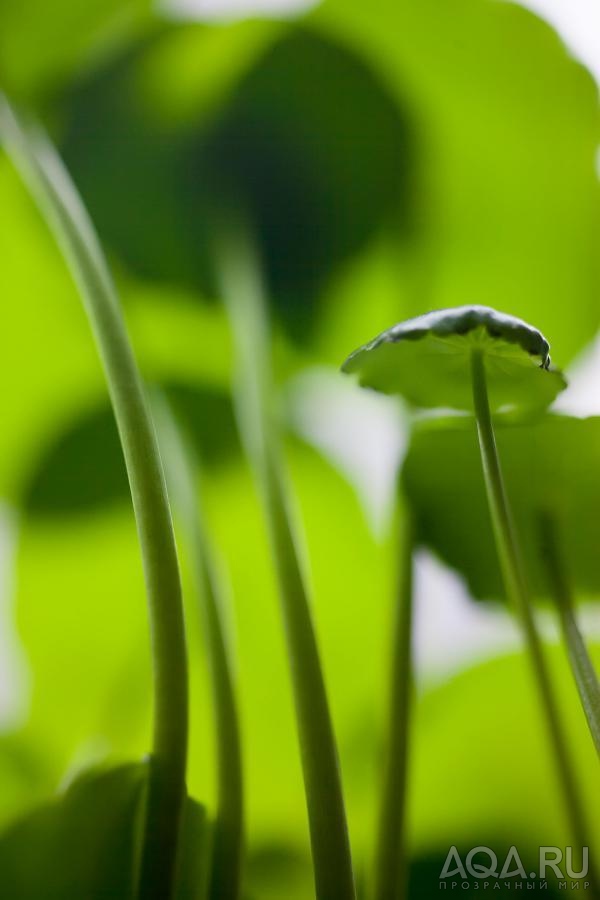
(308,143)
(85,842)
(80,845)
(425,882)
(321,157)
(278,870)
(83,470)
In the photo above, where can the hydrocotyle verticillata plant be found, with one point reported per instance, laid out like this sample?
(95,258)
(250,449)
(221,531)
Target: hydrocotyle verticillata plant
(58,200)
(239,274)
(182,470)
(476,359)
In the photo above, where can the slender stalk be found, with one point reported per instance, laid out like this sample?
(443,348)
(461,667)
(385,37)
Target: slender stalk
(330,844)
(583,670)
(391,872)
(57,198)
(228,839)
(517,589)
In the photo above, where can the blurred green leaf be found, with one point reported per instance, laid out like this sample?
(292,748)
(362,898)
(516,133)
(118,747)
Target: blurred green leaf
(46,348)
(313,147)
(81,845)
(195,847)
(550,465)
(481,766)
(84,469)
(427,360)
(36,59)
(317,177)
(85,844)
(45,345)
(506,186)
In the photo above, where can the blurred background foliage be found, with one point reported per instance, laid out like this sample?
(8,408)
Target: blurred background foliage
(391,157)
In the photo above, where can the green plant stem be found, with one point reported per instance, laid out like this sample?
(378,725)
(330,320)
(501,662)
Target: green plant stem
(518,593)
(583,670)
(56,196)
(391,864)
(242,289)
(228,848)
(228,839)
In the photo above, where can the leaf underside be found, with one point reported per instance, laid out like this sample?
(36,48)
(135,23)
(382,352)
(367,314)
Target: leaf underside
(426,360)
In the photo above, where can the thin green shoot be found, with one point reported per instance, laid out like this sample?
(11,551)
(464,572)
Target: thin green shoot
(241,284)
(57,198)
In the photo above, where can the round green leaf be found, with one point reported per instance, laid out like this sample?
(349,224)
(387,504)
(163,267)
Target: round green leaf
(427,360)
(549,466)
(85,843)
(82,469)
(82,844)
(275,137)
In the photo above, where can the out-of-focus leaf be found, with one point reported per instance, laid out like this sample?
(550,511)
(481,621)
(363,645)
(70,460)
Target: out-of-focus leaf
(80,845)
(47,358)
(484,158)
(427,360)
(507,192)
(80,611)
(482,766)
(84,468)
(85,844)
(195,847)
(309,144)
(550,466)
(320,157)
(23,775)
(37,57)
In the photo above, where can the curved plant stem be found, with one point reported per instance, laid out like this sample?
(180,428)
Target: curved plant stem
(228,840)
(242,289)
(56,196)
(391,865)
(517,590)
(583,670)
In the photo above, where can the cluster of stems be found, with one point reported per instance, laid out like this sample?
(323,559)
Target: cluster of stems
(243,294)
(241,283)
